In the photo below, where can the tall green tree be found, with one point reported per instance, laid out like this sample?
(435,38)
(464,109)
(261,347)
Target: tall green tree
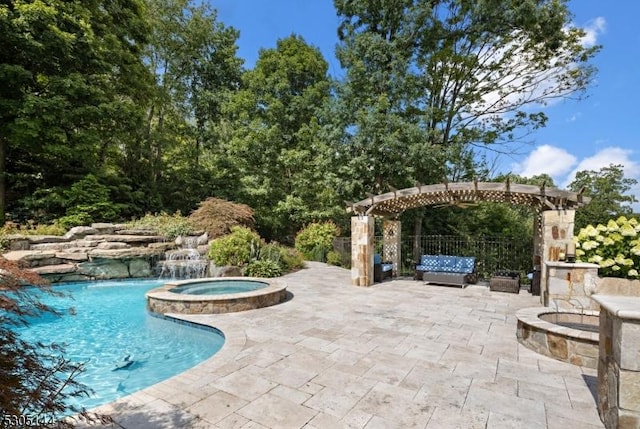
(429,82)
(193,58)
(608,189)
(71,77)
(275,144)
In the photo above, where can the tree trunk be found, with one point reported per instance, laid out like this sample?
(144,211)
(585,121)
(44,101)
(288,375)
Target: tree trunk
(3,146)
(417,234)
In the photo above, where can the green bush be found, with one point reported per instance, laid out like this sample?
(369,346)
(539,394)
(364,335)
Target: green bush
(90,200)
(32,228)
(272,252)
(263,268)
(78,219)
(334,258)
(614,246)
(291,259)
(316,240)
(171,226)
(237,248)
(287,258)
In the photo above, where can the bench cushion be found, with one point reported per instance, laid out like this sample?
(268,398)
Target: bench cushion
(447,264)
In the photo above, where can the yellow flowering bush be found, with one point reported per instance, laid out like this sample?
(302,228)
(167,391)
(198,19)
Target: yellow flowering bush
(614,246)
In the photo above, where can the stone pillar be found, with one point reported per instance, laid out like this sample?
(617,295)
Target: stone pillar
(556,232)
(619,361)
(362,229)
(570,285)
(391,246)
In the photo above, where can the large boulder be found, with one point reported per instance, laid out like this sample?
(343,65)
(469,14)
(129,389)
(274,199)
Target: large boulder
(55,269)
(129,253)
(78,232)
(138,231)
(104,269)
(109,245)
(130,239)
(107,228)
(139,268)
(38,239)
(51,246)
(32,258)
(17,242)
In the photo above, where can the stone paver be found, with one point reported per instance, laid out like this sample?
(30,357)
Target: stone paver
(397,354)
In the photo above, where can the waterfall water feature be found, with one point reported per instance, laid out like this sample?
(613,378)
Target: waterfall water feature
(185,262)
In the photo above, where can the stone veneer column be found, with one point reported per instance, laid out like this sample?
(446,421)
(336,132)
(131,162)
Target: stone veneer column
(571,284)
(362,228)
(557,232)
(619,361)
(391,247)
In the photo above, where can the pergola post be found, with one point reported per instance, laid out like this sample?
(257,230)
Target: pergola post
(557,232)
(391,246)
(362,237)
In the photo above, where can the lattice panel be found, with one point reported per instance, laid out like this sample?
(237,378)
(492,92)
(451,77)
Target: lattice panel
(391,233)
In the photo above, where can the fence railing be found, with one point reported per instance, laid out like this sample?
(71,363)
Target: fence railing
(491,253)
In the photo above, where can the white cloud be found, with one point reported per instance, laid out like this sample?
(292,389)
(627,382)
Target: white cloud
(546,159)
(593,29)
(562,166)
(604,158)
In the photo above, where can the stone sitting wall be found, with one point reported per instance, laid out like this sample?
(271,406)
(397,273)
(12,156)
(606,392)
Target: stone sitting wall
(101,251)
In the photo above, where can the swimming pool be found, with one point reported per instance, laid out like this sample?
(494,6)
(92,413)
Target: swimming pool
(106,325)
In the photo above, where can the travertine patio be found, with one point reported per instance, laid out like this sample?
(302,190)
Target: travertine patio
(396,355)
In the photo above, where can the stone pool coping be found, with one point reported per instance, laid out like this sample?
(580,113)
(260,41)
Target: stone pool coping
(162,300)
(559,342)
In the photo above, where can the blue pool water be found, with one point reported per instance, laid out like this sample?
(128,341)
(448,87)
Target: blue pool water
(219,287)
(106,325)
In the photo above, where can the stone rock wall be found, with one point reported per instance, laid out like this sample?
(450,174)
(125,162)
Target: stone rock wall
(99,251)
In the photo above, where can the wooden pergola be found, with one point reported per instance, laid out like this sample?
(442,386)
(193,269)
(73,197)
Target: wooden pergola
(392,203)
(554,224)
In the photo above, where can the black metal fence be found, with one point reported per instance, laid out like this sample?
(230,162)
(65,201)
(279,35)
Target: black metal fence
(491,253)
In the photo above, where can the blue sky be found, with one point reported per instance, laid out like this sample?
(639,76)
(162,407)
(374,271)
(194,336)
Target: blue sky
(580,135)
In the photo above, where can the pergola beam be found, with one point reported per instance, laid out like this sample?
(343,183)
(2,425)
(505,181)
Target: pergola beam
(398,200)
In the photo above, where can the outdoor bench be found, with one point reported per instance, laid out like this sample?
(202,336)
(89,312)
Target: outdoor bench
(381,270)
(447,270)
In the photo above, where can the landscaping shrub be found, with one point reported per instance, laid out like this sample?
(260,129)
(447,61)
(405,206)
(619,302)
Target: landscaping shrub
(272,252)
(237,248)
(171,226)
(316,240)
(615,247)
(334,258)
(87,201)
(263,268)
(287,258)
(32,228)
(291,259)
(78,219)
(216,216)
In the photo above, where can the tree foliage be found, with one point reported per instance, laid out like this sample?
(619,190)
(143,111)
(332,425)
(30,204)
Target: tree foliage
(608,189)
(70,81)
(193,58)
(428,81)
(275,146)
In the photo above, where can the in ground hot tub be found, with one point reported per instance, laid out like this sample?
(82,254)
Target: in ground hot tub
(219,287)
(216,295)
